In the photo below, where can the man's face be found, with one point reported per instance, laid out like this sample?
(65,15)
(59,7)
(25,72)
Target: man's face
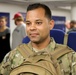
(37,25)
(2,22)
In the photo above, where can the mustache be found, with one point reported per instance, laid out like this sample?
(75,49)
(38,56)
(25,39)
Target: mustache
(33,33)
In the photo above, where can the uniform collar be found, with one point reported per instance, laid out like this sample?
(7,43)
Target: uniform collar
(51,46)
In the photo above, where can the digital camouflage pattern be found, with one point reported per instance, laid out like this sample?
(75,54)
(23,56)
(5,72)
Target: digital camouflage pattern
(13,59)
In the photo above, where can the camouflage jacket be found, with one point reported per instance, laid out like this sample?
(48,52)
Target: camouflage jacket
(14,59)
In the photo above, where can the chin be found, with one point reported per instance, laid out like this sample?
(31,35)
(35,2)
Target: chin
(35,41)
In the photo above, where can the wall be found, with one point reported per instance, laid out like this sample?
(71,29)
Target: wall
(65,13)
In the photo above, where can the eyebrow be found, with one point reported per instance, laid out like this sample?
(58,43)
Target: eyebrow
(27,21)
(35,20)
(39,20)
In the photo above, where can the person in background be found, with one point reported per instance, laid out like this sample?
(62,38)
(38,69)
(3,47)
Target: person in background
(4,37)
(67,25)
(19,32)
(72,26)
(38,25)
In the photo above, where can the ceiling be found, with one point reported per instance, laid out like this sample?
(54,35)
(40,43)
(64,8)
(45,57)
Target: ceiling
(59,4)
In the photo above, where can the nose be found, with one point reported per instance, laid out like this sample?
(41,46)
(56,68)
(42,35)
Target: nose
(33,27)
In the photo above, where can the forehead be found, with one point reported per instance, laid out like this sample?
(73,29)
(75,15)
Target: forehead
(39,12)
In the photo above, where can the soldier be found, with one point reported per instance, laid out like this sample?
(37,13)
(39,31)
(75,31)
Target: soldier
(38,26)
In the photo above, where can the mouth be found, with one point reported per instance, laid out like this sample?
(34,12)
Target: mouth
(34,34)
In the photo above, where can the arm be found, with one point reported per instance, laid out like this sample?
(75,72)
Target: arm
(5,66)
(12,60)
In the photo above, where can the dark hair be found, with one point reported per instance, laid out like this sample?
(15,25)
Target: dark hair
(38,5)
(3,17)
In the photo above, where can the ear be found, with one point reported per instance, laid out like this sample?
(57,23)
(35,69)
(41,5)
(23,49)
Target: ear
(51,24)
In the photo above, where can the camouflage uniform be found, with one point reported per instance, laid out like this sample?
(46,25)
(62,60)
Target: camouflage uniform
(14,59)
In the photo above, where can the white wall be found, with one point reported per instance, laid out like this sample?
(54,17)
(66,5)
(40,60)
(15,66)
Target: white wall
(65,13)
(12,9)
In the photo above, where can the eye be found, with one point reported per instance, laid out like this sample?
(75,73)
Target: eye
(39,23)
(28,23)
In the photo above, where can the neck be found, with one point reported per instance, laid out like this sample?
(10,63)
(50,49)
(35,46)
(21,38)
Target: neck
(2,28)
(41,45)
